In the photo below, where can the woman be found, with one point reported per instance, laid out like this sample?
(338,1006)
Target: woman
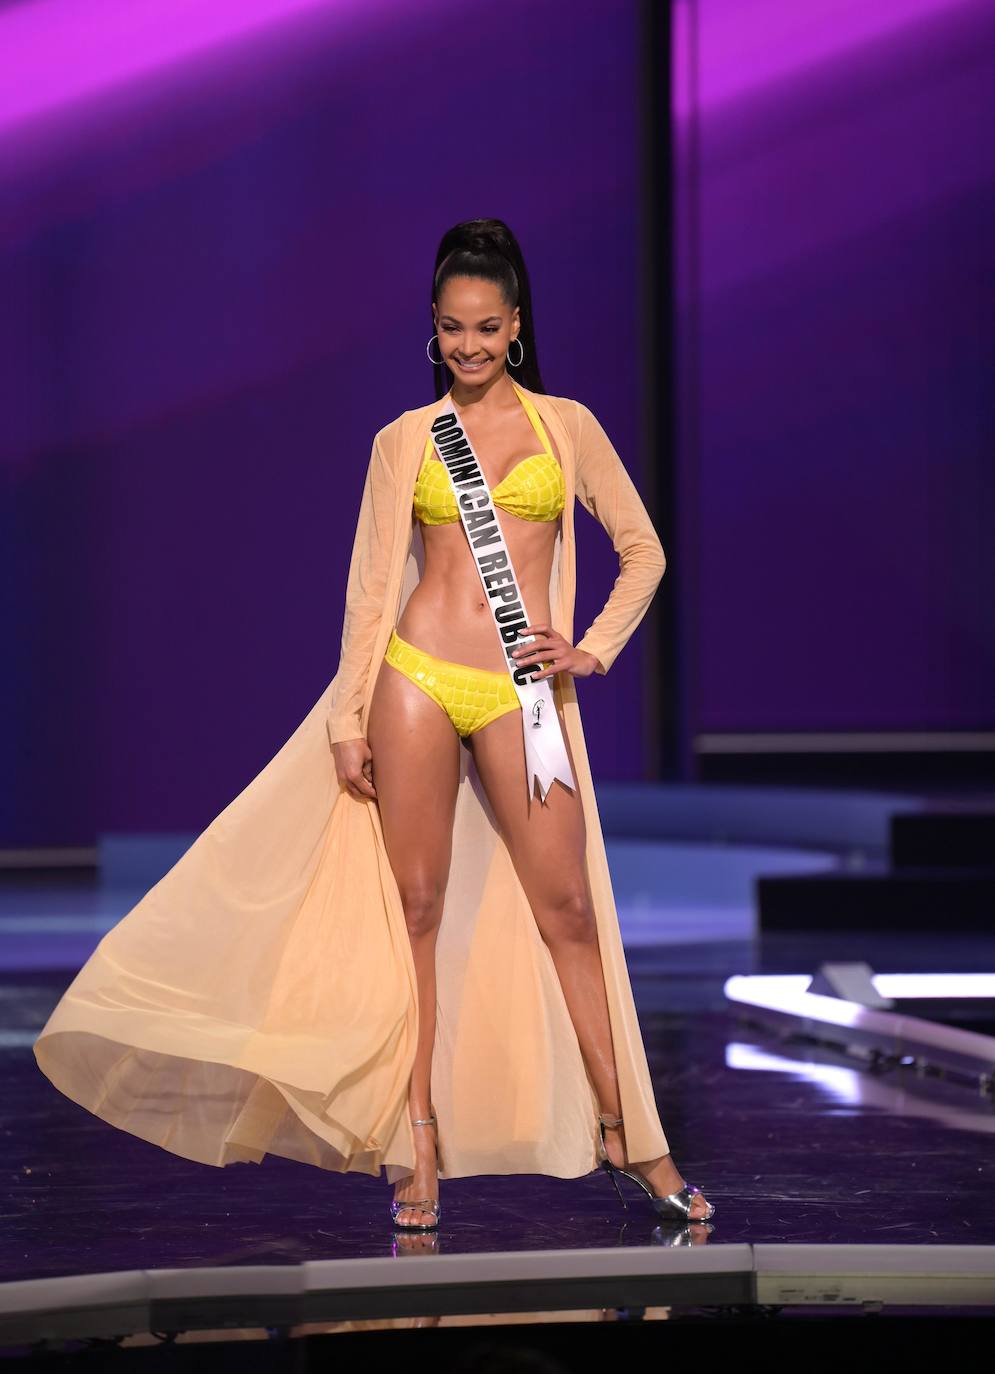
(350,956)
(425,702)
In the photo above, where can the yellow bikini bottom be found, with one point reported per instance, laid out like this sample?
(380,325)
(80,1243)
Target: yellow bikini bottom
(470,697)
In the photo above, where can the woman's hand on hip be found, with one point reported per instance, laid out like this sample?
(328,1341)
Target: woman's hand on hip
(550,647)
(354,767)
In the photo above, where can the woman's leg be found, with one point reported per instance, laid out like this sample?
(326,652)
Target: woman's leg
(547,845)
(416,775)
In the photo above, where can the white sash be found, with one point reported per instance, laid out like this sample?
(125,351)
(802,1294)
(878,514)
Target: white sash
(545,752)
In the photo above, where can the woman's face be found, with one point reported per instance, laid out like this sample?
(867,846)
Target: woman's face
(475,327)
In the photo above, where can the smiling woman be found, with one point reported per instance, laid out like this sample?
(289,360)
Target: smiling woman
(485,327)
(385,953)
(463,359)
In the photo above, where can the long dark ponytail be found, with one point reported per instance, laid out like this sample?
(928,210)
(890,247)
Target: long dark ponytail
(487,248)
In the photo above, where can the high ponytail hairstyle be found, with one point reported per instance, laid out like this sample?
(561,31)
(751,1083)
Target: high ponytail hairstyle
(487,248)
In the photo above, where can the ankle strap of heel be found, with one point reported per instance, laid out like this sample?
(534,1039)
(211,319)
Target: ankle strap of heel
(607,1119)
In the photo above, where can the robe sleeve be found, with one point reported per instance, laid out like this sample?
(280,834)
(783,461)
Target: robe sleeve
(605,488)
(364,598)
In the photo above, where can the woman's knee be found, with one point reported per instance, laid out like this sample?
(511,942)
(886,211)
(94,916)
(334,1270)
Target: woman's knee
(422,899)
(567,917)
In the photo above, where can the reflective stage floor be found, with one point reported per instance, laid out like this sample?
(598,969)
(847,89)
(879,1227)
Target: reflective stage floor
(792,1143)
(822,1166)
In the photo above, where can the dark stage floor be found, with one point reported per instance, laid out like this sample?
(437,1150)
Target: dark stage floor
(793,1143)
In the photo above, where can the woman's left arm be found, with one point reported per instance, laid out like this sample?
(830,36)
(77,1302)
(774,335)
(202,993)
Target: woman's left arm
(605,488)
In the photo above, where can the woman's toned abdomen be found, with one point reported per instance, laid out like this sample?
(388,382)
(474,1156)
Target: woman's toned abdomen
(448,614)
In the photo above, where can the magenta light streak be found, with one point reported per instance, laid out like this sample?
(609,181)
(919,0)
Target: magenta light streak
(745,45)
(57,53)
(683,62)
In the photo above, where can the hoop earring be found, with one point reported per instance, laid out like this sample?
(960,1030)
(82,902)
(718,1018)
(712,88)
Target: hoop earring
(521,359)
(428,349)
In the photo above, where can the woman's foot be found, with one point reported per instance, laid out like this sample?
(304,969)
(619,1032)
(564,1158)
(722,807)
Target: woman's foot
(424,1182)
(661,1174)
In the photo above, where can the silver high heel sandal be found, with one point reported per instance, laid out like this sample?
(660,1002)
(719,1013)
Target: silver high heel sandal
(423,1204)
(674,1204)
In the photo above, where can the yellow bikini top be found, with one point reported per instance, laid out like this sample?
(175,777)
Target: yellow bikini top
(534,489)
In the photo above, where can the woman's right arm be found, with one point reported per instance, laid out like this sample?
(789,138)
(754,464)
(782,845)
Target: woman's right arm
(364,599)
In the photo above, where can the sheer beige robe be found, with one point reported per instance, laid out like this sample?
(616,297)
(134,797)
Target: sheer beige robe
(261,997)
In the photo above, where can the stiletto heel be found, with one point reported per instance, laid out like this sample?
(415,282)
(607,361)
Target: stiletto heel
(423,1204)
(609,1169)
(678,1203)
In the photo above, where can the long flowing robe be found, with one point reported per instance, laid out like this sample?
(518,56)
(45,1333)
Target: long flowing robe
(261,997)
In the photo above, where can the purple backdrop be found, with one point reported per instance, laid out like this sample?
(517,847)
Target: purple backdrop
(219,224)
(835,334)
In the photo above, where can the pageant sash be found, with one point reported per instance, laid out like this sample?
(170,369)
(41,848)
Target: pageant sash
(545,752)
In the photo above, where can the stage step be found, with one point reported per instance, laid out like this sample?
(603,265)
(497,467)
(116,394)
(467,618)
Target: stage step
(878,899)
(948,836)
